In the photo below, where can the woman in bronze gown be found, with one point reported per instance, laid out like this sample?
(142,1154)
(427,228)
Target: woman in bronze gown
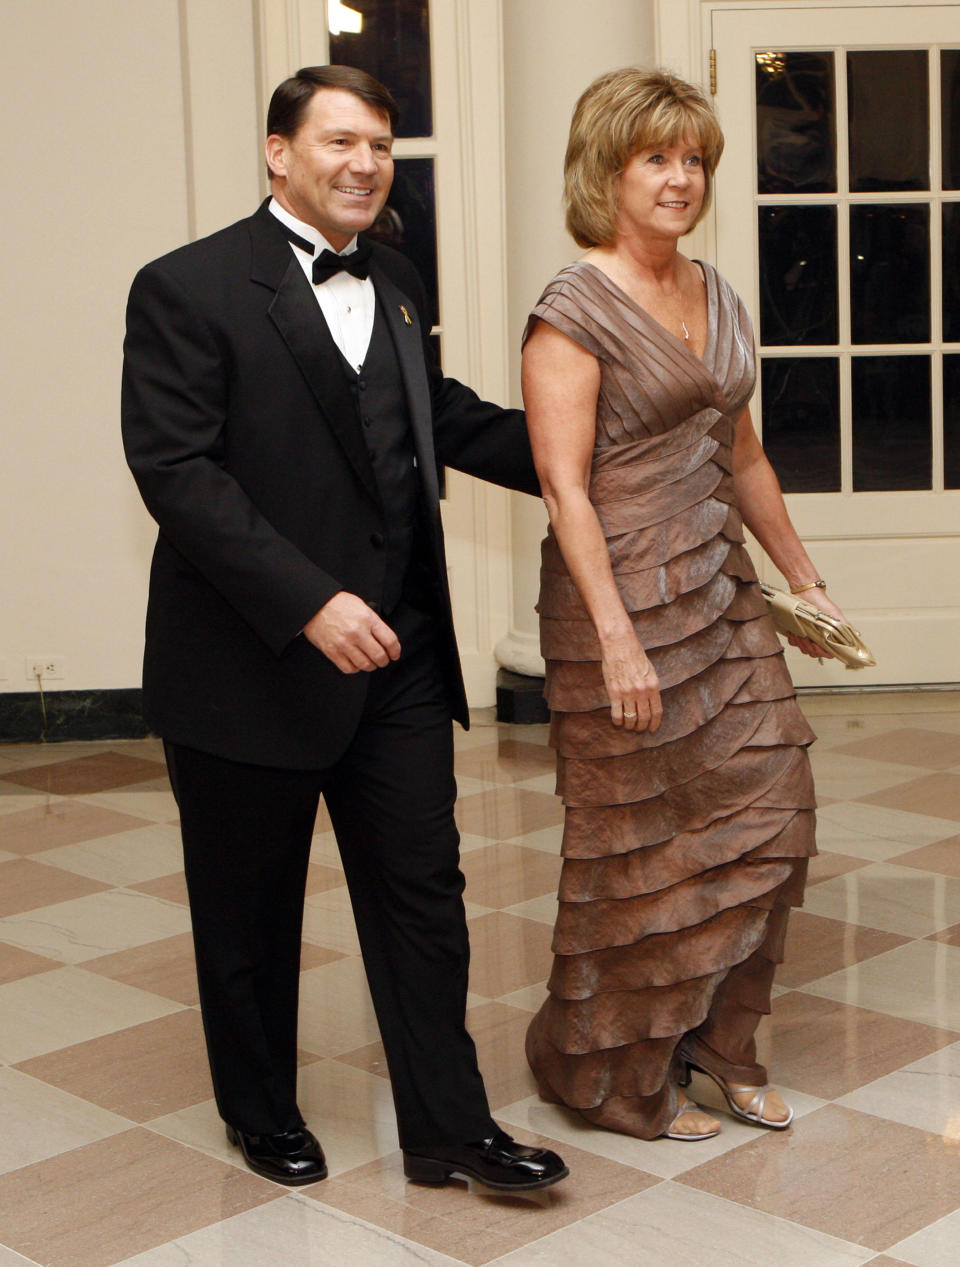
(680,746)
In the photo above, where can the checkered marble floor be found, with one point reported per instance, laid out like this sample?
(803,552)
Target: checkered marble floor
(111,1150)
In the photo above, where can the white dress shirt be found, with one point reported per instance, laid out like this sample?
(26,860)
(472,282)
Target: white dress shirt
(346,302)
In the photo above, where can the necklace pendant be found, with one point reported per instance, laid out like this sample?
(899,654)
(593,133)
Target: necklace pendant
(686,332)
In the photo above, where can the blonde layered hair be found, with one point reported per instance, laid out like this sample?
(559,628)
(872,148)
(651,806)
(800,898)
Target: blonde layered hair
(620,114)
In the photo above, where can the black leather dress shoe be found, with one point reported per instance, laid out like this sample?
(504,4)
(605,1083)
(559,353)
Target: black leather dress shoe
(290,1157)
(499,1162)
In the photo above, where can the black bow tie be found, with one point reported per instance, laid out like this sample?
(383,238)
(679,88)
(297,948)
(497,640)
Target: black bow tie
(327,264)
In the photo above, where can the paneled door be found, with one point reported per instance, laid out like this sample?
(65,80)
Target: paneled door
(838,220)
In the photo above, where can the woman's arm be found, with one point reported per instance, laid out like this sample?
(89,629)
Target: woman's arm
(561,383)
(764,513)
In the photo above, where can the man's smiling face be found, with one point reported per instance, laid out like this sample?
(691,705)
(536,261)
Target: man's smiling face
(335,172)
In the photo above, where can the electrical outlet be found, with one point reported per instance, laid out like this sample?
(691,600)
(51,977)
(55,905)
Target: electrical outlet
(49,668)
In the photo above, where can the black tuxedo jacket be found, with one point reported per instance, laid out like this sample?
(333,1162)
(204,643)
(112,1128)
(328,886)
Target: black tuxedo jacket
(243,437)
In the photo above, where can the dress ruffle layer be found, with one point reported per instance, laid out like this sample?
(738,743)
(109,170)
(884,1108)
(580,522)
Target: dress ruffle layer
(684,849)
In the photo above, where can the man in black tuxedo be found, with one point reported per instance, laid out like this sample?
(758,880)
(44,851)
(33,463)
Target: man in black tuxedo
(285,421)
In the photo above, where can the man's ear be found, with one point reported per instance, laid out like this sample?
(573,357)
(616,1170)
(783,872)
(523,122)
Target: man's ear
(275,151)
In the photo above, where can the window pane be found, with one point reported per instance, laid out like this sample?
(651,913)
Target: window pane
(801,421)
(891,423)
(393,45)
(409,222)
(798,275)
(950,116)
(951,272)
(951,421)
(796,123)
(890,273)
(887,96)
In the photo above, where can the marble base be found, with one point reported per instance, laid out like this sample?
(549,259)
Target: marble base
(520,699)
(71,715)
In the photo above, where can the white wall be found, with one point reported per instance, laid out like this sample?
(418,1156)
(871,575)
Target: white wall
(131,128)
(97,99)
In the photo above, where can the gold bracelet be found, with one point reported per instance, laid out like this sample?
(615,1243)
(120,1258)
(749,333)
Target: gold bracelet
(810,585)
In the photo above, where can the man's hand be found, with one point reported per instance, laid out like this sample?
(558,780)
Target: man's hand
(352,635)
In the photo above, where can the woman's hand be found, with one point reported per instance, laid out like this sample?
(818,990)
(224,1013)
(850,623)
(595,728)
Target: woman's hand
(631,683)
(816,598)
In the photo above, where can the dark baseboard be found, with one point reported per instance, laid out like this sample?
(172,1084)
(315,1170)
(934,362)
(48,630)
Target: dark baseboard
(71,715)
(520,699)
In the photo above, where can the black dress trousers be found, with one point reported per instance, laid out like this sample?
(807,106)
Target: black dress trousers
(246,833)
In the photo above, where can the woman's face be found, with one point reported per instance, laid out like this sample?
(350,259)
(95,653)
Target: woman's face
(660,191)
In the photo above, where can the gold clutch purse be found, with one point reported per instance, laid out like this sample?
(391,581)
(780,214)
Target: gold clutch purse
(792,615)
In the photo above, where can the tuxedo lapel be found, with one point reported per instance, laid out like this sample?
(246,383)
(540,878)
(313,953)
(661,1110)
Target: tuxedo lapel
(405,330)
(297,316)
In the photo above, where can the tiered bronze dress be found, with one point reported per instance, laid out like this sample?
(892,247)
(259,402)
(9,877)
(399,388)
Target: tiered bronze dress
(684,849)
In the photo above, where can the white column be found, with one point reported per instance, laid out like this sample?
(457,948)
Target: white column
(552,50)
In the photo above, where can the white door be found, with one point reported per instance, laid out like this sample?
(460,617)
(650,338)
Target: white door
(838,220)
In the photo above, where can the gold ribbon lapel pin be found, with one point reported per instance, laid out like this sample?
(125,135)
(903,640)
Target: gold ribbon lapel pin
(406,316)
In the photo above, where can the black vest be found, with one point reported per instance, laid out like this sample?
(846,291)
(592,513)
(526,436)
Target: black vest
(381,403)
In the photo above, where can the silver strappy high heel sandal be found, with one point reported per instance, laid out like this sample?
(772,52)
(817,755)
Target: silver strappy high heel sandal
(752,1112)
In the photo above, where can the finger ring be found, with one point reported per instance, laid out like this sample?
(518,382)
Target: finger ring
(630,715)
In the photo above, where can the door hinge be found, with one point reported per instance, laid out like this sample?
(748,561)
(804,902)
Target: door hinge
(713,72)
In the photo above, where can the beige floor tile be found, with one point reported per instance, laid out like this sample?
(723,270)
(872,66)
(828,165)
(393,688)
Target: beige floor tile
(934,1246)
(817,946)
(547,839)
(328,921)
(141,1072)
(935,794)
(26,884)
(917,981)
(942,857)
(507,761)
(124,858)
(351,1112)
(158,804)
(120,1196)
(826,866)
(323,849)
(665,1158)
(542,909)
(16,963)
(336,1014)
(827,1048)
(290,1230)
(507,952)
(847,778)
(88,927)
(909,745)
(540,783)
(925,1094)
(8,1258)
(683,1228)
(163,967)
(60,822)
(96,772)
(39,1121)
(477,1226)
(951,936)
(854,1176)
(528,998)
(876,833)
(169,888)
(884,1260)
(894,898)
(503,813)
(55,1009)
(502,875)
